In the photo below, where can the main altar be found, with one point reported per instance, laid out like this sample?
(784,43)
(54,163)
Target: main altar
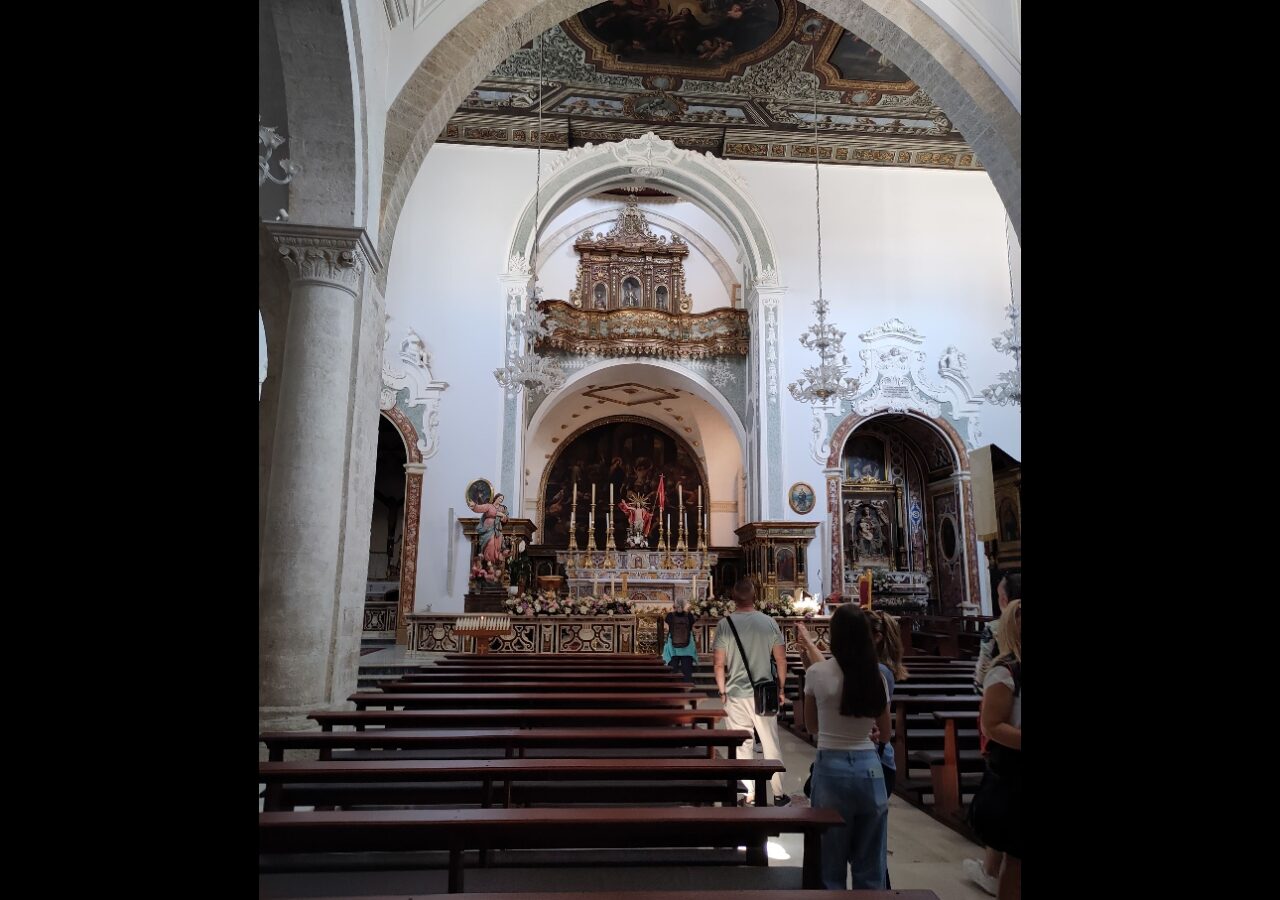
(647,577)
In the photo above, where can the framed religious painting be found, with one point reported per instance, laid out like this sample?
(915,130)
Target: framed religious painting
(801,498)
(479,491)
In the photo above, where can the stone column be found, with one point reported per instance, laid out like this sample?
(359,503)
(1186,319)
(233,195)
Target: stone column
(301,615)
(833,534)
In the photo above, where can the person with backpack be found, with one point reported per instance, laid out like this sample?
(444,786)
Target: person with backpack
(679,650)
(996,811)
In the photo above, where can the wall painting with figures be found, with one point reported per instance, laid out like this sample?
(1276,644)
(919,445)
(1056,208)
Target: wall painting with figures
(633,455)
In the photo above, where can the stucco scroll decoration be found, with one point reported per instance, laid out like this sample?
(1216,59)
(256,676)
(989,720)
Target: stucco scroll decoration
(414,374)
(894,378)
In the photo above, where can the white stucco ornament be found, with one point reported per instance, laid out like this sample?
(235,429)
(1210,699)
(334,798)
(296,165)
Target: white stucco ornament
(893,378)
(414,373)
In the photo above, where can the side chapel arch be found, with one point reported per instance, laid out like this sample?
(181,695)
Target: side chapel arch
(954,443)
(412,516)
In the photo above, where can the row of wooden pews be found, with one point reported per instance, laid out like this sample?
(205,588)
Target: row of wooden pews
(489,752)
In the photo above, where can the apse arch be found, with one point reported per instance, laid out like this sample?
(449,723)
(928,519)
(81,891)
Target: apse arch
(703,388)
(649,160)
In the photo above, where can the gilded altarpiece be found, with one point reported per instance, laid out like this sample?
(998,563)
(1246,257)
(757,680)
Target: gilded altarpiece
(630,267)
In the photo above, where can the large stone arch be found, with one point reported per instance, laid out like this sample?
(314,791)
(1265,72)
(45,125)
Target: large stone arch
(898,28)
(324,96)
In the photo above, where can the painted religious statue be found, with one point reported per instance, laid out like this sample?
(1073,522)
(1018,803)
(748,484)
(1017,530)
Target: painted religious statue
(639,519)
(489,531)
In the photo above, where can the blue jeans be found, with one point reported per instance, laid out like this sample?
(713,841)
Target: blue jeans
(852,783)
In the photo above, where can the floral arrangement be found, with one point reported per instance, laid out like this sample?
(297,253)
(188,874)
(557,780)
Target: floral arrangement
(901,605)
(783,606)
(544,604)
(711,608)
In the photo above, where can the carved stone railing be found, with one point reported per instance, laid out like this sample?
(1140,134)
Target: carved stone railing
(379,619)
(646,332)
(529,634)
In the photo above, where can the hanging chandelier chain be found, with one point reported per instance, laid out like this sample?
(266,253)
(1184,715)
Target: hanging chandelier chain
(537,193)
(817,195)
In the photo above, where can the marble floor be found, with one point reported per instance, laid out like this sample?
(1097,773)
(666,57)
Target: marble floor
(923,853)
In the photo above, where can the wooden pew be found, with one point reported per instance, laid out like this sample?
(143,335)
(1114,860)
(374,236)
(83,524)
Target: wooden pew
(445,676)
(562,700)
(921,703)
(535,687)
(555,657)
(958,759)
(680,895)
(479,829)
(345,783)
(512,741)
(520,718)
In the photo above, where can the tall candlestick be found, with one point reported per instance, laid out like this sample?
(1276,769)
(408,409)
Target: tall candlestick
(593,496)
(680,491)
(575,493)
(699,496)
(610,498)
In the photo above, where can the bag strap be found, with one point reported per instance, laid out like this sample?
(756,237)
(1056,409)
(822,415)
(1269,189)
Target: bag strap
(741,649)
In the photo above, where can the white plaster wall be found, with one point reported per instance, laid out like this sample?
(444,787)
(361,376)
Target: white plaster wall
(558,274)
(443,282)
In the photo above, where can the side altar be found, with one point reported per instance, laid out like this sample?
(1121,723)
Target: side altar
(647,577)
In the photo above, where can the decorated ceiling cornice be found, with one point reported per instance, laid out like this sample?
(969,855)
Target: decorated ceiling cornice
(734,78)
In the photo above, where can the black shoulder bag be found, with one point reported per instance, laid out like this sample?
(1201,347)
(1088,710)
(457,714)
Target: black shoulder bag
(766,691)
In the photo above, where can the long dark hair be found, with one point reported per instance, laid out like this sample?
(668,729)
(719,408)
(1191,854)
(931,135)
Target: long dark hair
(855,651)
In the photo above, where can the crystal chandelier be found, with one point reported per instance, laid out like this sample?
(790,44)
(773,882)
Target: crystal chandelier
(1008,390)
(268,139)
(527,370)
(826,380)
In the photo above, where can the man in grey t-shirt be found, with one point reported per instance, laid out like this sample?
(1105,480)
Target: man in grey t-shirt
(762,640)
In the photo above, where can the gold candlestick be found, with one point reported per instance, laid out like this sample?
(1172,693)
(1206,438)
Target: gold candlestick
(662,541)
(573,522)
(666,560)
(590,562)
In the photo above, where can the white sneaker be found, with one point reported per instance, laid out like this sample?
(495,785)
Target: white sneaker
(978,875)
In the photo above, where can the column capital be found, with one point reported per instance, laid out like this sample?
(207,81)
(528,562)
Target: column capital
(324,253)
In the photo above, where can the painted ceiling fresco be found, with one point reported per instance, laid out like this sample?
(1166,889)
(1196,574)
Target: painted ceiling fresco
(738,78)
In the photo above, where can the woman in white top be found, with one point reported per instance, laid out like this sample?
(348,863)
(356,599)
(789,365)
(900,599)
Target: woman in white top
(846,696)
(996,811)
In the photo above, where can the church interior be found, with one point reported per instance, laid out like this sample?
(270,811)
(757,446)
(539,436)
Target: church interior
(582,326)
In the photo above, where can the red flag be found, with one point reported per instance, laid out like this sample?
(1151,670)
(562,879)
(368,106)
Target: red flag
(662,495)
